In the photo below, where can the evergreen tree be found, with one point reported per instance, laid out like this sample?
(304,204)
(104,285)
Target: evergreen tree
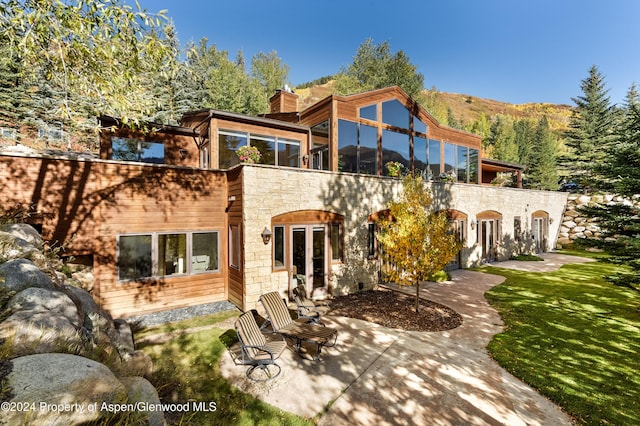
(525,131)
(622,221)
(591,131)
(375,67)
(542,165)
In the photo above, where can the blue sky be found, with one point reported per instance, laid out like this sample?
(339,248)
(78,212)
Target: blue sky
(509,50)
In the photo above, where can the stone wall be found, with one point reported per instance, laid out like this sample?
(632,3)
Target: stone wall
(271,191)
(576,225)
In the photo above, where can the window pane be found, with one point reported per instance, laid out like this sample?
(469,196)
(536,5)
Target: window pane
(419,126)
(434,157)
(473,165)
(371,240)
(336,242)
(124,149)
(278,246)
(134,257)
(228,143)
(267,147)
(395,147)
(152,152)
(369,112)
(449,157)
(395,114)
(462,163)
(172,254)
(288,153)
(368,150)
(347,146)
(419,154)
(204,252)
(320,135)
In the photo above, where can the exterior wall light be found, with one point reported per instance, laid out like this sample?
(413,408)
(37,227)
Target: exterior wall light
(266,235)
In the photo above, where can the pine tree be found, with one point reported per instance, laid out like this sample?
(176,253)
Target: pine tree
(542,165)
(621,222)
(591,131)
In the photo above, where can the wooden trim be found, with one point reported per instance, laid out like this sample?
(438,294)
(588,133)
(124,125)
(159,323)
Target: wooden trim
(307,217)
(489,214)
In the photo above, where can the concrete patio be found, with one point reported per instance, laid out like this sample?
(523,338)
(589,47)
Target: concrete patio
(377,375)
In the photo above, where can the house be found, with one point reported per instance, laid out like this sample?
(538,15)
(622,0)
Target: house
(169,217)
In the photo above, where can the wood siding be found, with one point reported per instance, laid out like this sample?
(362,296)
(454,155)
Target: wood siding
(90,203)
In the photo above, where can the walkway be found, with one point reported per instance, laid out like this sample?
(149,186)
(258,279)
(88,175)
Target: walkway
(382,376)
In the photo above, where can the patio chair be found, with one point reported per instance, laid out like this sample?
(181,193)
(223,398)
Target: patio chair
(299,331)
(256,350)
(307,308)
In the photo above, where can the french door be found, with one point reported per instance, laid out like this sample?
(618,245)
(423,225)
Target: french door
(309,255)
(540,231)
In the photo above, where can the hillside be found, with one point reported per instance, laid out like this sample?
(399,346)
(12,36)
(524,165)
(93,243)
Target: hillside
(467,108)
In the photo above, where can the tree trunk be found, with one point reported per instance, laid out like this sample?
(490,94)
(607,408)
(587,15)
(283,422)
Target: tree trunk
(417,296)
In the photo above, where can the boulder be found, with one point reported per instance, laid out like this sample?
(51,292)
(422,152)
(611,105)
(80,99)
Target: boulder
(20,274)
(63,388)
(24,232)
(140,390)
(41,299)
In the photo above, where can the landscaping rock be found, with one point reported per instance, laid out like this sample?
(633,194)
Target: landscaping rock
(63,388)
(140,390)
(20,274)
(24,232)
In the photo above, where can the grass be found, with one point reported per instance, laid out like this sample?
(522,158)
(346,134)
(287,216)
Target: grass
(186,370)
(573,336)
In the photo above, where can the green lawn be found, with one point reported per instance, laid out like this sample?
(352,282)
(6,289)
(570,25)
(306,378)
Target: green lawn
(574,337)
(186,369)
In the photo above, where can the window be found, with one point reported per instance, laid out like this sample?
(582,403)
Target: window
(160,254)
(419,126)
(474,159)
(336,242)
(274,150)
(228,143)
(278,247)
(368,163)
(395,114)
(134,257)
(462,163)
(420,154)
(517,228)
(234,246)
(449,157)
(372,251)
(347,146)
(320,146)
(125,149)
(395,147)
(172,254)
(369,112)
(434,157)
(205,252)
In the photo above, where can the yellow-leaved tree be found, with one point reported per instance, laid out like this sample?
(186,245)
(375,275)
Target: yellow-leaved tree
(415,241)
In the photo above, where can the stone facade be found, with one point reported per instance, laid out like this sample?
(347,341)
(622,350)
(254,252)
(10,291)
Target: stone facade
(271,191)
(576,225)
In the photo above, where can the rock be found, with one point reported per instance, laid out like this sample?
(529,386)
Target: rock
(140,390)
(64,389)
(84,279)
(24,232)
(136,364)
(12,247)
(20,274)
(40,299)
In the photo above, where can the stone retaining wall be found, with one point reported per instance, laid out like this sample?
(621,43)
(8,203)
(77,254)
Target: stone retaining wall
(576,224)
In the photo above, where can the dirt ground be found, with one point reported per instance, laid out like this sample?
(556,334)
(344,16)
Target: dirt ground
(395,310)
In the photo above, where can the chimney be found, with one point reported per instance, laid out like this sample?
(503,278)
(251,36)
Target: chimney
(284,100)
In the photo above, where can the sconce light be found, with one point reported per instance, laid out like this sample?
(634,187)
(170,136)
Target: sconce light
(550,220)
(473,224)
(305,159)
(183,153)
(232,198)
(266,235)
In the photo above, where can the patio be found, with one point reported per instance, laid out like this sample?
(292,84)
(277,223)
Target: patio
(377,375)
